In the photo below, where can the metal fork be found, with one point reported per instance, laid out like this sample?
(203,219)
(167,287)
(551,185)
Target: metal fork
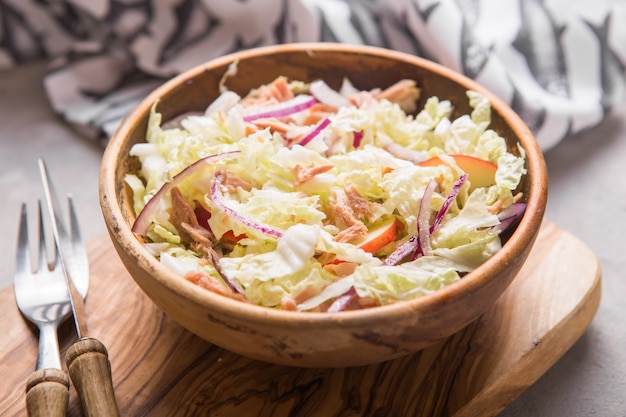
(42,297)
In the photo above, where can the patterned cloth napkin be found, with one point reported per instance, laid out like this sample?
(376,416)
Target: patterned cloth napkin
(559,63)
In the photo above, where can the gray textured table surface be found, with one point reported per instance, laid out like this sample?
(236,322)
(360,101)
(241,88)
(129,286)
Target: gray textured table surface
(587,198)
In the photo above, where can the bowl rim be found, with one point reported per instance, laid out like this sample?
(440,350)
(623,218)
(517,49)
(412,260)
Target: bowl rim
(252,313)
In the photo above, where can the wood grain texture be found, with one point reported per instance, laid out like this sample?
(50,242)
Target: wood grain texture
(161,369)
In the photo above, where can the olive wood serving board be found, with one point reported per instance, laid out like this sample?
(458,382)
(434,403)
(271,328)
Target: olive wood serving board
(161,369)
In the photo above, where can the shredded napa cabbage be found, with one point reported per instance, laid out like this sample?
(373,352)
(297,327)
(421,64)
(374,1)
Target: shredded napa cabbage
(300,265)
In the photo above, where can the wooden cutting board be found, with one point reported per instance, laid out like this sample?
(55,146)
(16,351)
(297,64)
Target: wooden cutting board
(160,369)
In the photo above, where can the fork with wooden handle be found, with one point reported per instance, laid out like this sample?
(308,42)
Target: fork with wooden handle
(43,299)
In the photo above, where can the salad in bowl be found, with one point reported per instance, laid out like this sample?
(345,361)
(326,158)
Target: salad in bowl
(300,197)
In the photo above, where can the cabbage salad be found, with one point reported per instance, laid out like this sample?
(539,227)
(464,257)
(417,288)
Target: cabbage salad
(305,198)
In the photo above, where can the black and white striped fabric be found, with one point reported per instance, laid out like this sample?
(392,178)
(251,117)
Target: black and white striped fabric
(559,63)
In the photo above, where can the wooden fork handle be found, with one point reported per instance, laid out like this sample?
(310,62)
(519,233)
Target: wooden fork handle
(47,393)
(89,367)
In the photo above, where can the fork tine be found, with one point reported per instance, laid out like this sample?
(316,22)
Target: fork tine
(42,251)
(22,258)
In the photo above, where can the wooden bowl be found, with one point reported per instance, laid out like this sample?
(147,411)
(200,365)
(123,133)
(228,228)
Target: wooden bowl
(348,338)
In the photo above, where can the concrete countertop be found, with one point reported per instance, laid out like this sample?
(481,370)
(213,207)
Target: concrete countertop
(587,198)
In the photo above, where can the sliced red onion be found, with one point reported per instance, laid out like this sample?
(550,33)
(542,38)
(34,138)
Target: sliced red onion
(324,94)
(285,108)
(509,215)
(316,131)
(220,201)
(414,244)
(423,219)
(407,248)
(342,301)
(446,204)
(357,138)
(232,284)
(144,219)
